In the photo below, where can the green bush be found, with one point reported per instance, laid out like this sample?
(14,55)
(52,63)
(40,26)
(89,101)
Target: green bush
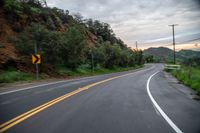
(13,75)
(48,43)
(13,8)
(73,47)
(35,10)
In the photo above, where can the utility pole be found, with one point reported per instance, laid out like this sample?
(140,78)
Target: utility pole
(174,41)
(136,45)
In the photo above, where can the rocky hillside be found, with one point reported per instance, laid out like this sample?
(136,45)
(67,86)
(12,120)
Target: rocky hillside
(15,17)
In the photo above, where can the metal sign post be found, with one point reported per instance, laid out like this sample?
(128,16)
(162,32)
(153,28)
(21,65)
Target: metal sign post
(36,65)
(36,61)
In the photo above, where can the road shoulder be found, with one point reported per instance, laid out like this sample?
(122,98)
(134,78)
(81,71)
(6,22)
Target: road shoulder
(24,86)
(189,92)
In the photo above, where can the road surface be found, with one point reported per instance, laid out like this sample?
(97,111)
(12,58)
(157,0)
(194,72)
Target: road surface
(140,101)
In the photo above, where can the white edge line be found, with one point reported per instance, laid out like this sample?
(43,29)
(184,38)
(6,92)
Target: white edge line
(169,121)
(7,92)
(31,87)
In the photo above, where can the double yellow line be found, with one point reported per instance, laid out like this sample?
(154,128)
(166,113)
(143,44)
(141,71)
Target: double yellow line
(5,126)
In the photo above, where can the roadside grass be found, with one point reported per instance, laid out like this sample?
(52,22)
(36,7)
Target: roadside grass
(85,70)
(13,75)
(188,76)
(10,76)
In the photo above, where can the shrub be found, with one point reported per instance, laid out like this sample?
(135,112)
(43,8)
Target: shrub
(73,47)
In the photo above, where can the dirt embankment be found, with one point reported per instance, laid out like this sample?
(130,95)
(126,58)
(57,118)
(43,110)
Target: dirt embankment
(8,53)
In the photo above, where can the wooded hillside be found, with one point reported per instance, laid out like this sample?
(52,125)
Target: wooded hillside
(61,39)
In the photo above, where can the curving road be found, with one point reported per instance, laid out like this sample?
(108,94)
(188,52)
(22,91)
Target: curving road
(140,101)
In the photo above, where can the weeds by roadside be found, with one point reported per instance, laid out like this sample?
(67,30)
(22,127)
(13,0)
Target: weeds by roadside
(13,75)
(189,76)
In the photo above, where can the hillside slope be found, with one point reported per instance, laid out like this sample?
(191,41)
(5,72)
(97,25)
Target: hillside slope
(63,41)
(12,23)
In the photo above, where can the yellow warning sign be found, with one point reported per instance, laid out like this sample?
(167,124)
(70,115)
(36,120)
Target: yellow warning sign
(36,59)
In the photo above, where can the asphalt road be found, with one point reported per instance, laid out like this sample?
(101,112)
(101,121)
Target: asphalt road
(141,101)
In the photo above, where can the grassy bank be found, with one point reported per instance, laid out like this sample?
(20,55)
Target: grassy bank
(85,70)
(188,76)
(12,75)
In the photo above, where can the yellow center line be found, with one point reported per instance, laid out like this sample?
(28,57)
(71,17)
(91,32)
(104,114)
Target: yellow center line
(5,126)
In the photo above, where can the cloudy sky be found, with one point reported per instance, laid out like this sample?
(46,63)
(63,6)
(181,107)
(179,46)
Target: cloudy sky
(144,21)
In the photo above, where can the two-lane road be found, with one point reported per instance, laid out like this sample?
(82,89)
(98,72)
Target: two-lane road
(139,101)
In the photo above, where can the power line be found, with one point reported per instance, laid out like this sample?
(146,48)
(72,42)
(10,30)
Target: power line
(198,39)
(158,42)
(182,43)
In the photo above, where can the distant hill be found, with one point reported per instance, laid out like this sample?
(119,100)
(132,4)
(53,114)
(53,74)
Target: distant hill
(188,54)
(163,54)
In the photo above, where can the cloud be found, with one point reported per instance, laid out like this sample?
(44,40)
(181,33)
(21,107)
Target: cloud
(141,20)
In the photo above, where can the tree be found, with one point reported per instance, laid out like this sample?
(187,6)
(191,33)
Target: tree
(78,17)
(48,42)
(139,57)
(73,47)
(112,55)
(13,10)
(149,58)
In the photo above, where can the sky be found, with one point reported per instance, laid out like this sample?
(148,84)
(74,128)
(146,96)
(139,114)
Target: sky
(144,21)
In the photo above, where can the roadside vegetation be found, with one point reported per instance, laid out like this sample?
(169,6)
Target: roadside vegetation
(69,45)
(85,71)
(14,75)
(189,74)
